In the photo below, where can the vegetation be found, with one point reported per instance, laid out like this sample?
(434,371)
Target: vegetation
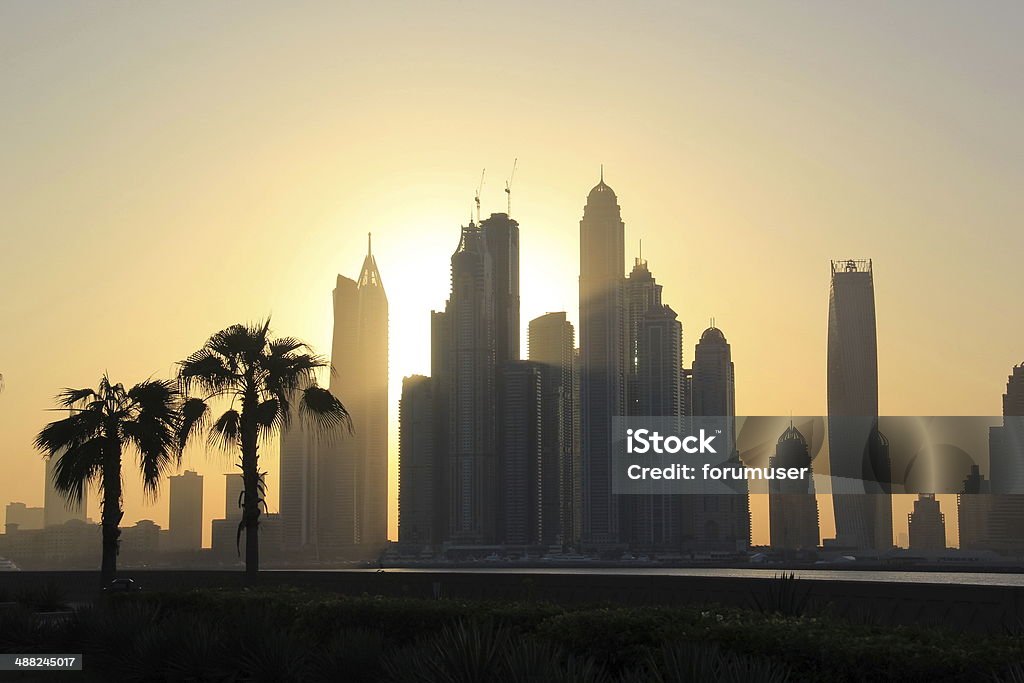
(103,423)
(260,377)
(292,635)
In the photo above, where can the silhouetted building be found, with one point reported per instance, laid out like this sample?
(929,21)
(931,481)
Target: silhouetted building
(1006,457)
(720,522)
(334,487)
(56,508)
(185,516)
(792,506)
(501,235)
(139,543)
(974,505)
(23,517)
(858,455)
(463,369)
(603,358)
(552,345)
(233,487)
(75,544)
(522,505)
(927,524)
(416,475)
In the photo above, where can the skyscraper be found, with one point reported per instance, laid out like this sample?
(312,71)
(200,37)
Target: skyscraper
(927,524)
(463,360)
(973,505)
(552,345)
(720,522)
(602,356)
(1006,455)
(334,489)
(792,506)
(185,519)
(416,456)
(858,453)
(501,235)
(521,490)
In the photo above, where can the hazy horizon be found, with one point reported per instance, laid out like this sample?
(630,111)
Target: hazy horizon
(171,170)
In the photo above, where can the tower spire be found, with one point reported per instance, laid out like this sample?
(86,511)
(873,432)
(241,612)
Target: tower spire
(369,244)
(602,174)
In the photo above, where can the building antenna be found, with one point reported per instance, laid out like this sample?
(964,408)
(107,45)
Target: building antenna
(369,244)
(479,189)
(602,174)
(641,249)
(508,186)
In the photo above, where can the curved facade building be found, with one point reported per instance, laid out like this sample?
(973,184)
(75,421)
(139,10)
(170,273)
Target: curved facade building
(858,454)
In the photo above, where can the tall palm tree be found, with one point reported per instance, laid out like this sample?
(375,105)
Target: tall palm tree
(103,424)
(261,377)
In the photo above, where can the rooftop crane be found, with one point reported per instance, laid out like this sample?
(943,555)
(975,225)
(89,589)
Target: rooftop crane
(479,189)
(508,186)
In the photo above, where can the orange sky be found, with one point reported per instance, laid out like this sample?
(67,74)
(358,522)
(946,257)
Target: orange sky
(169,170)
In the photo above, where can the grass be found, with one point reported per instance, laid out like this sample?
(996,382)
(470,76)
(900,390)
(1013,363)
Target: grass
(296,635)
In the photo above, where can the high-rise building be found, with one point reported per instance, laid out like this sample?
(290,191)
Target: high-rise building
(927,524)
(416,456)
(552,346)
(1006,457)
(602,358)
(233,487)
(973,505)
(858,454)
(23,517)
(720,522)
(520,520)
(792,506)
(56,509)
(298,493)
(185,519)
(501,235)
(463,368)
(334,487)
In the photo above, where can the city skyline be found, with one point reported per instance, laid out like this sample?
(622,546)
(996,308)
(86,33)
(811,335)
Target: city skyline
(749,147)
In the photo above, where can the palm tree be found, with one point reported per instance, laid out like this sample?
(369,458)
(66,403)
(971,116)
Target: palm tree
(102,424)
(261,377)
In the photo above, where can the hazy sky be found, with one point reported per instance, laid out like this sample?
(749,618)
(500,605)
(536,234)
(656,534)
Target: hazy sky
(172,168)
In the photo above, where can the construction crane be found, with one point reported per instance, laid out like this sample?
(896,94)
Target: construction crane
(479,189)
(508,187)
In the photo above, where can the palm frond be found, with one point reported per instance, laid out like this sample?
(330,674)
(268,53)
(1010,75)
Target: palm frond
(77,467)
(322,409)
(206,370)
(195,416)
(72,398)
(268,416)
(226,431)
(67,433)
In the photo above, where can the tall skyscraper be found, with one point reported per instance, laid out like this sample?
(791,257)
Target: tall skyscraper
(334,488)
(56,509)
(927,524)
(720,522)
(792,506)
(973,505)
(501,235)
(416,458)
(463,360)
(858,453)
(185,519)
(602,356)
(233,486)
(521,490)
(1006,455)
(552,346)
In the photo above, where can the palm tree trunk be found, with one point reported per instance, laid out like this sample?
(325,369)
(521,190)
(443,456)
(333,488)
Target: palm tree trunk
(251,502)
(111,515)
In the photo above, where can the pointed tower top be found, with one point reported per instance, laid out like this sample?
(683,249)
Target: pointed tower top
(602,173)
(369,276)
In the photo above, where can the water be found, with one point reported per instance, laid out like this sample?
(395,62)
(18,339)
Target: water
(962,578)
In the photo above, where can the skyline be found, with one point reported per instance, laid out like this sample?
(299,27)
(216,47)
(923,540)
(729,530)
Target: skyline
(703,129)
